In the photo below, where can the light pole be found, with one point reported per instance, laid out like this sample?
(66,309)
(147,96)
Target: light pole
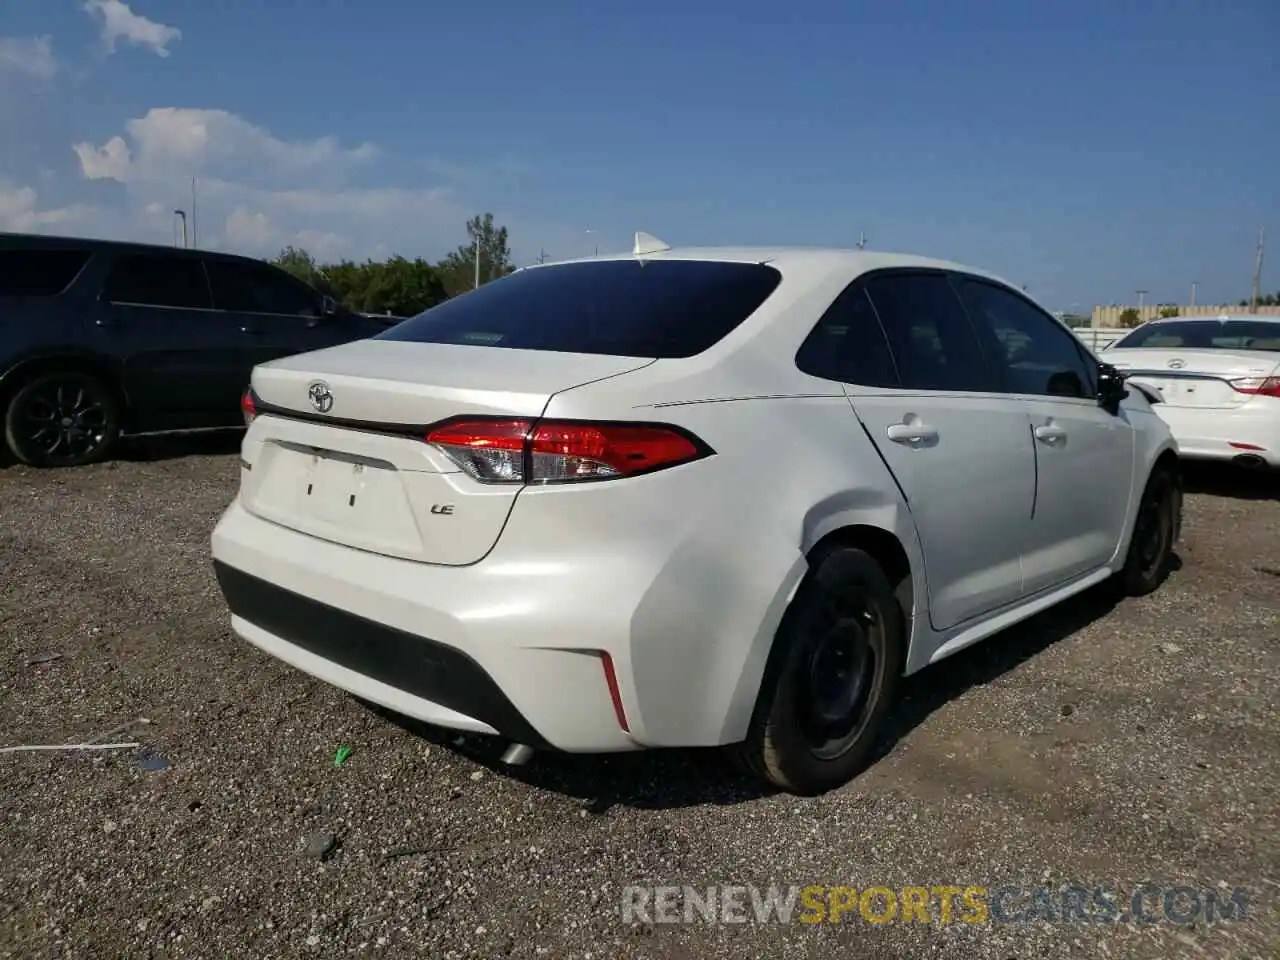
(1194,284)
(597,241)
(1142,298)
(183,215)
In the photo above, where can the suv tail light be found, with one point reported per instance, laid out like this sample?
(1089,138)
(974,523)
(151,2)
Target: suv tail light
(249,406)
(1258,386)
(562,451)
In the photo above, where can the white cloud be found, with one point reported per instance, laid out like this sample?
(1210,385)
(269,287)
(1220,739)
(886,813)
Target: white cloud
(20,212)
(258,192)
(111,161)
(32,56)
(246,229)
(176,141)
(119,22)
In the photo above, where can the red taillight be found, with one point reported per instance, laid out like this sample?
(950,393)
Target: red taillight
(556,451)
(1258,386)
(248,407)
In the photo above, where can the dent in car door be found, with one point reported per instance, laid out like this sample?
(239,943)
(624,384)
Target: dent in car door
(1084,454)
(960,454)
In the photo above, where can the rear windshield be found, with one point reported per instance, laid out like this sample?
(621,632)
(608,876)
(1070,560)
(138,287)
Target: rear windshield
(39,273)
(1207,334)
(627,308)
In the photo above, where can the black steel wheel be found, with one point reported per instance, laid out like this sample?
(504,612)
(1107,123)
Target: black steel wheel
(831,678)
(1155,530)
(63,419)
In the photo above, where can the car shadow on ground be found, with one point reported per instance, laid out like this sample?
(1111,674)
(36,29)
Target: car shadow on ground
(1237,483)
(149,448)
(673,779)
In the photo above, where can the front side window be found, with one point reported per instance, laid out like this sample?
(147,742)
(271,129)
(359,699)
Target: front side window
(157,281)
(241,286)
(933,342)
(1039,357)
(627,308)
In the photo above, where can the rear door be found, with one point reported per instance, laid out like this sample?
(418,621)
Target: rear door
(180,361)
(958,449)
(1084,455)
(275,314)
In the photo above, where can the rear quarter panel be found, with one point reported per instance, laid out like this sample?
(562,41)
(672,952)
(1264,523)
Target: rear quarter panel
(727,536)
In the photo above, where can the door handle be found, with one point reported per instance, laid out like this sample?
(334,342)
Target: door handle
(911,432)
(1050,434)
(106,322)
(250,330)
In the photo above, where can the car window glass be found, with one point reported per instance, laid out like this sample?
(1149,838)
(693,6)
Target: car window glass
(1208,334)
(243,287)
(157,281)
(624,308)
(848,344)
(933,342)
(1038,356)
(39,273)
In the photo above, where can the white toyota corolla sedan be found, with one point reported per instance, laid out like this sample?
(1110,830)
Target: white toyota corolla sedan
(1218,380)
(687,498)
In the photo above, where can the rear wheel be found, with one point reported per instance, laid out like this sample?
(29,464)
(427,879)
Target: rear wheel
(62,419)
(831,679)
(1154,532)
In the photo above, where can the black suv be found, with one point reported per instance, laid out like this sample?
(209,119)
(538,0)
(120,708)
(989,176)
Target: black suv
(99,338)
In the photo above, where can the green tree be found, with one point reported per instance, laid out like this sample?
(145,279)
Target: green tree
(402,287)
(301,264)
(1168,311)
(457,271)
(1129,317)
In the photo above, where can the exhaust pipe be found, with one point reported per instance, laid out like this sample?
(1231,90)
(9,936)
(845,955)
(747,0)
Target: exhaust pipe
(1249,461)
(517,755)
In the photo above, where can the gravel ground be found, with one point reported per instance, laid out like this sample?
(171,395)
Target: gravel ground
(1093,745)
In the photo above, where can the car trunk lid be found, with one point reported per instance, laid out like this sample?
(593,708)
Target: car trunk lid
(1201,378)
(338,451)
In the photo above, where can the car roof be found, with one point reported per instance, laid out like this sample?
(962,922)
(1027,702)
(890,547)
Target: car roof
(1217,318)
(855,261)
(41,241)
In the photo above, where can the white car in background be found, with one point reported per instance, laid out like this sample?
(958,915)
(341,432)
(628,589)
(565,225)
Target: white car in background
(687,498)
(1218,380)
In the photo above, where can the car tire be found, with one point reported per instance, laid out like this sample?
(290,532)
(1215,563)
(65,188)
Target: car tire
(1155,531)
(831,678)
(62,419)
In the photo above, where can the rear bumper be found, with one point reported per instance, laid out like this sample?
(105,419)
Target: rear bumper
(400,670)
(515,645)
(1250,429)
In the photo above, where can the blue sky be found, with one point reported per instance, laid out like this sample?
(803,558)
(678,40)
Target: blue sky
(1085,149)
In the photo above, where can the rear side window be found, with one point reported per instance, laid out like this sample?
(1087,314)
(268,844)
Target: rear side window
(848,344)
(39,273)
(933,342)
(157,281)
(627,308)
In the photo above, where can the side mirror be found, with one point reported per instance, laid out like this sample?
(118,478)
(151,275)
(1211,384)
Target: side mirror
(328,306)
(1111,388)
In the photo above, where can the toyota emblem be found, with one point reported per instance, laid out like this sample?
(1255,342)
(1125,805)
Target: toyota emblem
(320,395)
